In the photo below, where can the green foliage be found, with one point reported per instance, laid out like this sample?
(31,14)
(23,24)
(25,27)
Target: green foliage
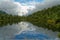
(8,19)
(47,18)
(59,34)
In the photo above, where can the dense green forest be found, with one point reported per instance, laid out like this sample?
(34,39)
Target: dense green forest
(8,19)
(47,18)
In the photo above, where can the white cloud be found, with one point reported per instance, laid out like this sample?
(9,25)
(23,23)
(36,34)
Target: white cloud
(16,8)
(45,4)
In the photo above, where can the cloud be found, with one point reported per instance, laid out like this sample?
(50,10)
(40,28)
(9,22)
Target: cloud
(47,4)
(44,4)
(21,9)
(15,8)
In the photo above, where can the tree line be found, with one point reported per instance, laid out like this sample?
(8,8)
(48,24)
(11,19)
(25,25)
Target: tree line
(46,18)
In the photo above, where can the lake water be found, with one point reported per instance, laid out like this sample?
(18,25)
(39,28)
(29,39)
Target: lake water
(26,31)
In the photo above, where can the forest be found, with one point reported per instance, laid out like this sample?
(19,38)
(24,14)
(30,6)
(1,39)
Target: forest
(8,19)
(46,18)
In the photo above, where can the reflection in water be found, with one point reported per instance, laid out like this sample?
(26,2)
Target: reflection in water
(10,31)
(31,35)
(5,23)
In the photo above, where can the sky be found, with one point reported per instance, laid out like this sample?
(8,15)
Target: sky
(26,7)
(24,1)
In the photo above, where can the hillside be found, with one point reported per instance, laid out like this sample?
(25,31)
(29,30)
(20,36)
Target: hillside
(8,19)
(47,18)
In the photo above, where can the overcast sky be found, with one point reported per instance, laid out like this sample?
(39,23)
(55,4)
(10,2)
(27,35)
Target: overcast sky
(26,7)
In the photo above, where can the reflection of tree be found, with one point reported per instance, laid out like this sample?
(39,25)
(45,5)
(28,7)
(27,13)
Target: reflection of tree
(4,23)
(47,18)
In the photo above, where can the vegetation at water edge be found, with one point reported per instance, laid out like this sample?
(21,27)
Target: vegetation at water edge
(46,18)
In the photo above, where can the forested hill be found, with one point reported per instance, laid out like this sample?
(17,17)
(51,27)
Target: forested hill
(47,18)
(8,19)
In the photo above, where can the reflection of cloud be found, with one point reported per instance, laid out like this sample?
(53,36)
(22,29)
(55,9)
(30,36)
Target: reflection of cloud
(32,35)
(10,31)
(25,26)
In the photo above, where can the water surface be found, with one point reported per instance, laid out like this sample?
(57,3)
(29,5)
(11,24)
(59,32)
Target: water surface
(26,30)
